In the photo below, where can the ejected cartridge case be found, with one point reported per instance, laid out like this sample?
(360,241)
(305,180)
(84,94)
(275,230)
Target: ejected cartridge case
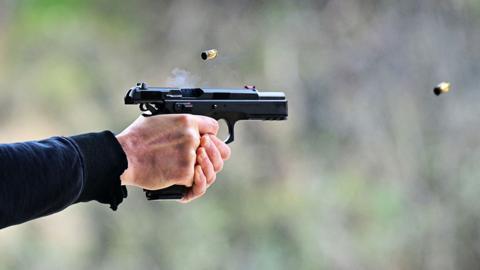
(441,88)
(209,54)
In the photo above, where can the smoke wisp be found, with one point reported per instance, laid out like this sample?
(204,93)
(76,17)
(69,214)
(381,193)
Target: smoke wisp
(182,78)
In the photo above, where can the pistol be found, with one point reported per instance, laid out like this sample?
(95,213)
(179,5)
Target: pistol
(231,105)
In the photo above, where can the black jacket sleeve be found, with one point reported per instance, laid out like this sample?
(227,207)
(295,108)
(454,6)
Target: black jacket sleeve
(39,178)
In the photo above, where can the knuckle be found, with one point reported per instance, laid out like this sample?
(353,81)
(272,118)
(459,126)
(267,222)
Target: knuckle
(185,119)
(191,137)
(191,156)
(204,141)
(216,126)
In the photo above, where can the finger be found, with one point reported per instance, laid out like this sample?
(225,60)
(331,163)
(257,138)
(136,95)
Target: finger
(200,183)
(199,186)
(222,147)
(206,125)
(207,166)
(212,153)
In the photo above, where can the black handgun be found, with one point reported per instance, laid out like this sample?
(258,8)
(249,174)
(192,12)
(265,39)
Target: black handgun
(231,105)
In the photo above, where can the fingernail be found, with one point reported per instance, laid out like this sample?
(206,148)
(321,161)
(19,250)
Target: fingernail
(201,153)
(207,141)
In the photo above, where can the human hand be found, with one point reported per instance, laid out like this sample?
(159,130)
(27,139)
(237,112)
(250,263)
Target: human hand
(175,149)
(210,156)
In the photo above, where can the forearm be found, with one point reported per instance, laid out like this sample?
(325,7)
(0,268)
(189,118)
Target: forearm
(35,180)
(43,177)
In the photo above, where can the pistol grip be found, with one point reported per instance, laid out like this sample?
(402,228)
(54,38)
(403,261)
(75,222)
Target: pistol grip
(175,192)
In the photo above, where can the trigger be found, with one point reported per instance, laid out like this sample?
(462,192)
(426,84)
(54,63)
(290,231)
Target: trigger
(230,126)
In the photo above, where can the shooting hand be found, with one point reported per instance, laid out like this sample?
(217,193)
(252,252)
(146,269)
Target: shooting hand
(164,150)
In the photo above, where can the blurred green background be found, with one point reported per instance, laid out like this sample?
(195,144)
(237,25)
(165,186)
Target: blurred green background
(371,171)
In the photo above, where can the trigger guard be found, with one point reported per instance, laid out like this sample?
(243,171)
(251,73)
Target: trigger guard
(230,121)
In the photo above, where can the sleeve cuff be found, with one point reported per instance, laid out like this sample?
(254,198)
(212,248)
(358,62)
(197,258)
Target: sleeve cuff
(104,161)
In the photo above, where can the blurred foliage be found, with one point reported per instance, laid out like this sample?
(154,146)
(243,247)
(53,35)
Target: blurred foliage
(371,171)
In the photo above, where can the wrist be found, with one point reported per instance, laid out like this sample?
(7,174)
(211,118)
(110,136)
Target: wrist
(104,161)
(126,175)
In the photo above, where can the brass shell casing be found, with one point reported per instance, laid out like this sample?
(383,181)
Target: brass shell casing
(441,88)
(209,54)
